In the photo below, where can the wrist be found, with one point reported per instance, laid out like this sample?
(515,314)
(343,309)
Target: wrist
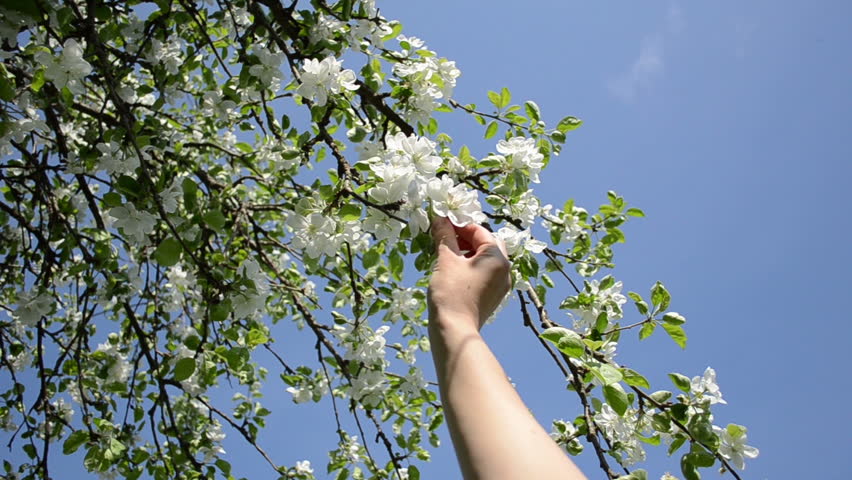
(447,324)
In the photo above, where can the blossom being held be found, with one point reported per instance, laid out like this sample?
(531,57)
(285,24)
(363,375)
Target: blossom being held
(455,202)
(517,241)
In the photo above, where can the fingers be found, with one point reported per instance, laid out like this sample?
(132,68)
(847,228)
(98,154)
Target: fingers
(444,233)
(476,235)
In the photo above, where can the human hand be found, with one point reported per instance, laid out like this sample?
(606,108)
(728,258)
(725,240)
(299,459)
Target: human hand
(467,287)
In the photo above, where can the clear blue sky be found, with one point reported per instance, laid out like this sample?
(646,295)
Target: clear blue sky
(728,123)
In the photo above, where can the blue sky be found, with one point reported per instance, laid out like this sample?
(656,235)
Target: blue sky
(727,122)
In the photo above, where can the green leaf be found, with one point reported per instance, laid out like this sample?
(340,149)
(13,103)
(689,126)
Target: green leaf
(674,318)
(635,212)
(413,473)
(112,199)
(244,147)
(647,329)
(676,443)
(661,396)
(660,297)
(356,134)
(688,469)
(215,219)
(370,259)
(505,98)
(491,130)
(7,86)
(557,136)
(38,80)
(532,110)
(73,442)
(350,212)
(255,337)
(190,191)
(634,378)
(680,381)
(677,334)
(26,7)
(495,98)
(616,397)
(184,368)
(608,374)
(567,341)
(635,475)
(128,186)
(168,252)
(568,123)
(396,265)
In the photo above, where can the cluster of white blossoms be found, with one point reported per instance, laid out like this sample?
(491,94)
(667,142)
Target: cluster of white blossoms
(607,300)
(321,78)
(309,389)
(118,369)
(431,79)
(405,172)
(68,68)
(316,233)
(248,301)
(565,435)
(366,348)
(136,224)
(623,431)
(114,160)
(403,304)
(520,153)
(705,387)
(268,71)
(168,53)
(303,467)
(32,306)
(524,209)
(566,223)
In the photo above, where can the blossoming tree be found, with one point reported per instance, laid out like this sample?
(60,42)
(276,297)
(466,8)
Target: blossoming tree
(161,217)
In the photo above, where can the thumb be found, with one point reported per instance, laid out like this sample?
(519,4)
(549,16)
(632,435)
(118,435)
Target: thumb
(444,233)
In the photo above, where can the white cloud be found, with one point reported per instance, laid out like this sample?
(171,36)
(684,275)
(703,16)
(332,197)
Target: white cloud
(650,63)
(647,66)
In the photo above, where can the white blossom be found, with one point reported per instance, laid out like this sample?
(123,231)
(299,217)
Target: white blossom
(321,78)
(517,241)
(136,224)
(455,202)
(67,69)
(705,387)
(32,306)
(303,467)
(622,430)
(522,154)
(734,447)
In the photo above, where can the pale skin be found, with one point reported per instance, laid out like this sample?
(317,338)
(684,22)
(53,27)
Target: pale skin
(494,435)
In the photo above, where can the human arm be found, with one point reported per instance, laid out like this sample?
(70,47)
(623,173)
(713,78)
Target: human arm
(494,435)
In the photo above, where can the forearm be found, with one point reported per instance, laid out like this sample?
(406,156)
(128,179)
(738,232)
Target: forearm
(494,434)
